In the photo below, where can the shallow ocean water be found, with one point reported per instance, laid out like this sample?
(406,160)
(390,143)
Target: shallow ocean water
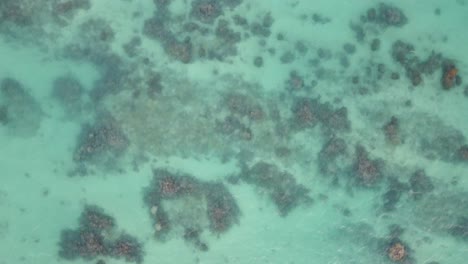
(233,131)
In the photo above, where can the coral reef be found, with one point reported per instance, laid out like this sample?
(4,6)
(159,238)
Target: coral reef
(420,184)
(169,194)
(393,194)
(392,131)
(185,40)
(295,82)
(243,106)
(206,11)
(21,112)
(81,244)
(304,113)
(181,50)
(460,229)
(93,218)
(128,248)
(282,188)
(244,111)
(387,15)
(68,91)
(450,76)
(233,126)
(105,136)
(94,239)
(167,185)
(404,54)
(441,143)
(3,115)
(16,12)
(262,28)
(328,155)
(308,112)
(96,34)
(68,8)
(192,235)
(223,211)
(462,153)
(131,47)
(114,77)
(397,251)
(366,171)
(394,248)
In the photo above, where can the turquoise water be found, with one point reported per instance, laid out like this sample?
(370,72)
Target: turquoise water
(233,131)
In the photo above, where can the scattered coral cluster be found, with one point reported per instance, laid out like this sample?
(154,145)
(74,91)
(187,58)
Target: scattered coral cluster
(181,205)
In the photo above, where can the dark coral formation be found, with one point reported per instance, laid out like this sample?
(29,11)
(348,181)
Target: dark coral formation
(281,186)
(328,155)
(180,49)
(243,112)
(420,184)
(450,77)
(98,32)
(387,15)
(20,110)
(68,8)
(394,248)
(393,194)
(69,92)
(295,82)
(442,143)
(392,131)
(81,244)
(307,112)
(3,114)
(126,247)
(304,112)
(93,43)
(403,53)
(92,239)
(167,185)
(262,27)
(460,229)
(103,137)
(114,77)
(16,12)
(243,106)
(462,153)
(131,47)
(206,11)
(232,125)
(25,20)
(228,38)
(192,235)
(223,211)
(93,218)
(366,171)
(396,251)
